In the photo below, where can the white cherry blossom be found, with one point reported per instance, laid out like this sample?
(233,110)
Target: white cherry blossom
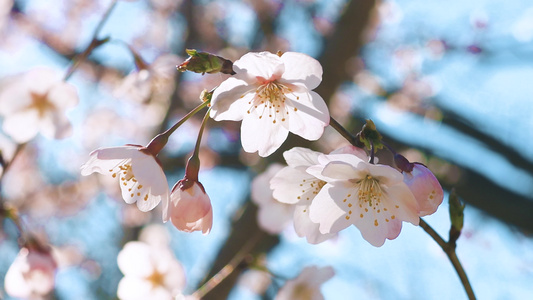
(139,172)
(32,274)
(149,273)
(36,102)
(307,285)
(272,95)
(374,198)
(293,185)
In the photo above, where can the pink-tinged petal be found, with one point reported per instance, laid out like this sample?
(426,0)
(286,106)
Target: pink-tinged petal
(191,209)
(426,189)
(260,134)
(42,79)
(301,157)
(304,227)
(264,65)
(302,68)
(22,126)
(308,116)
(325,211)
(230,100)
(55,125)
(275,216)
(347,158)
(292,186)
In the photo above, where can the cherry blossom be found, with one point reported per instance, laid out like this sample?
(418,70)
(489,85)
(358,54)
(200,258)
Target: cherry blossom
(293,185)
(307,285)
(36,102)
(190,207)
(374,198)
(148,80)
(272,95)
(149,273)
(272,216)
(138,170)
(425,187)
(32,274)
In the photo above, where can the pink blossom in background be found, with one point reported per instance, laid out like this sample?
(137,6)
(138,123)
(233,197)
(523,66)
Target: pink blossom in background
(36,102)
(272,95)
(149,273)
(190,207)
(31,275)
(140,175)
(307,285)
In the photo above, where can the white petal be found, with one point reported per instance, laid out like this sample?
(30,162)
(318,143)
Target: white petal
(121,152)
(263,64)
(326,212)
(22,126)
(63,95)
(304,227)
(262,135)
(134,288)
(338,170)
(358,152)
(302,68)
(149,172)
(299,156)
(310,117)
(230,100)
(99,165)
(408,207)
(135,260)
(387,175)
(292,186)
(274,216)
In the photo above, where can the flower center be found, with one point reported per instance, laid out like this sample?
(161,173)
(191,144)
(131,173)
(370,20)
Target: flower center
(40,103)
(129,182)
(156,279)
(310,188)
(269,100)
(369,197)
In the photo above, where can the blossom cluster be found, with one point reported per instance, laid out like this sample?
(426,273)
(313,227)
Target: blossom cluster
(330,192)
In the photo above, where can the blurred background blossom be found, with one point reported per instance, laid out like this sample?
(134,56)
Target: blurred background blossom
(447,83)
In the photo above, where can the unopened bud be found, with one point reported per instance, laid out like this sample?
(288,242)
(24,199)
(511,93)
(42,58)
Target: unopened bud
(206,95)
(204,62)
(402,163)
(456,216)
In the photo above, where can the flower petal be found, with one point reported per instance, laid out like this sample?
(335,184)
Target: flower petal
(139,253)
(325,211)
(263,64)
(291,186)
(260,134)
(299,156)
(308,115)
(304,227)
(230,100)
(22,126)
(302,68)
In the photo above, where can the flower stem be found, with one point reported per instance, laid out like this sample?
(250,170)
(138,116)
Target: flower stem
(95,42)
(345,133)
(227,269)
(200,133)
(160,140)
(449,249)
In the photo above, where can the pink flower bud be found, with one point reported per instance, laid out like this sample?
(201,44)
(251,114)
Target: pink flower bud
(31,274)
(190,207)
(425,187)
